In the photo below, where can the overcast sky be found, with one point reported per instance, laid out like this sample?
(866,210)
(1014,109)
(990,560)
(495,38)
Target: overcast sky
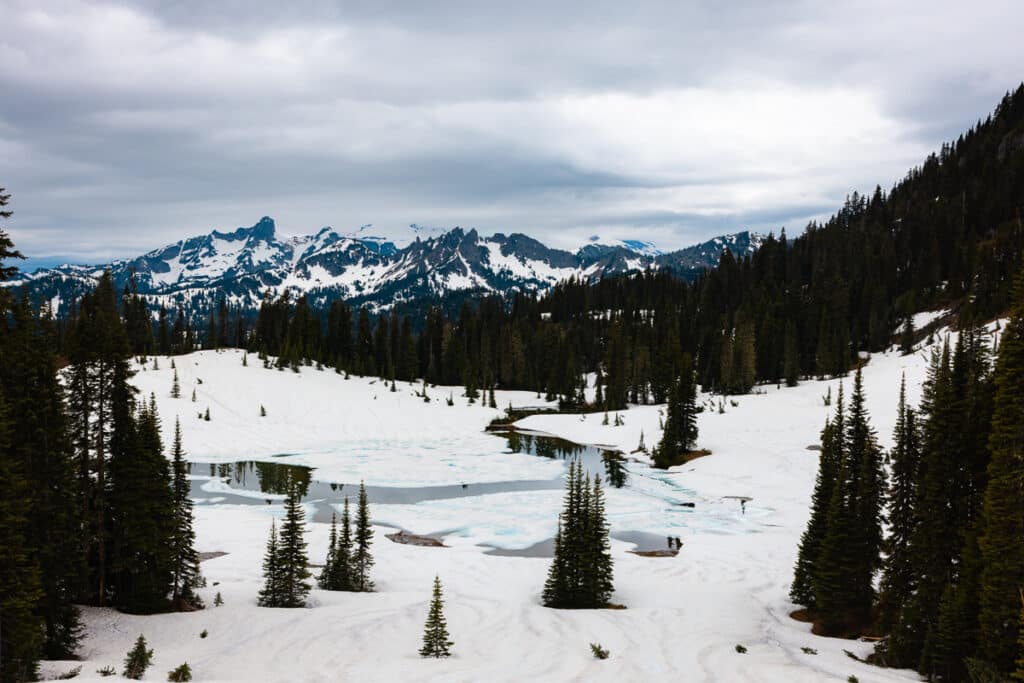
(126,125)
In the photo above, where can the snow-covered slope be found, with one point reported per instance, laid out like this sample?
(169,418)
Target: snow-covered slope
(684,615)
(246,263)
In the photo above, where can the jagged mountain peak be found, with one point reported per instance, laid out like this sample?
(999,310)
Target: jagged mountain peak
(245,264)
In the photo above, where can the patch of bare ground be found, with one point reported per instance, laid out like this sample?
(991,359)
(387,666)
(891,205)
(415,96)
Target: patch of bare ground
(655,553)
(414,539)
(212,555)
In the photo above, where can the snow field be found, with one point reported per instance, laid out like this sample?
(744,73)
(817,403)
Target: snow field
(684,615)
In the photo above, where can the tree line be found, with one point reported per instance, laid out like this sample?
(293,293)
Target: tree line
(950,231)
(91,511)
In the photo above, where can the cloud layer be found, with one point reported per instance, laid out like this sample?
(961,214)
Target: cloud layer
(124,125)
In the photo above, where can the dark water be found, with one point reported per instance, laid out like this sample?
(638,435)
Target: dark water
(609,465)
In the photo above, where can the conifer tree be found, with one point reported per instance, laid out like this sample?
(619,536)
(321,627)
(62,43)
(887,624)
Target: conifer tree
(907,337)
(802,590)
(1002,547)
(898,568)
(680,432)
(138,660)
(324,579)
(293,562)
(342,575)
(142,512)
(187,576)
(362,560)
(599,574)
(270,594)
(99,410)
(435,631)
(581,571)
(175,386)
(42,454)
(21,629)
(867,488)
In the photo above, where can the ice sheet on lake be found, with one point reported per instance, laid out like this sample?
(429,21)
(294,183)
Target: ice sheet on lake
(469,459)
(518,519)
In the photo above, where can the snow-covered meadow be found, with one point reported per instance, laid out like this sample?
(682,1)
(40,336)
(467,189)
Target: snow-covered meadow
(684,615)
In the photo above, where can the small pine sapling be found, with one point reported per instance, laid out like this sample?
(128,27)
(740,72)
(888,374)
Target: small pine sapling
(218,600)
(193,395)
(598,651)
(182,673)
(435,631)
(138,660)
(263,411)
(206,415)
(107,671)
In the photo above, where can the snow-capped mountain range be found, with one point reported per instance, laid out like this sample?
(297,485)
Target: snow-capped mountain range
(245,264)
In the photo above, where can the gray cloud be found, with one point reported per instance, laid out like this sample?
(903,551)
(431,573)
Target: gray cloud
(124,125)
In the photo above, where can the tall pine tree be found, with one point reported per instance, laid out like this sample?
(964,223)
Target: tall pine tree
(1002,539)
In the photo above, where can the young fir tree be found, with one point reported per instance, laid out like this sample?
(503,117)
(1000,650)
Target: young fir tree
(907,337)
(680,432)
(599,575)
(175,386)
(802,591)
(435,631)
(270,594)
(341,576)
(1002,547)
(362,560)
(187,576)
(293,562)
(337,571)
(138,660)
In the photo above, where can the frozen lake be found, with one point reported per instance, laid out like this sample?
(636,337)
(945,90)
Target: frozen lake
(513,517)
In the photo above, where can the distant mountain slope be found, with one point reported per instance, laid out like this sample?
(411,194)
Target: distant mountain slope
(245,264)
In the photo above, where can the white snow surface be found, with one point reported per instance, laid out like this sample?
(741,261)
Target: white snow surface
(684,615)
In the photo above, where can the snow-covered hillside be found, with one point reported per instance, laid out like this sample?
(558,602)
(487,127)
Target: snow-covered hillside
(684,616)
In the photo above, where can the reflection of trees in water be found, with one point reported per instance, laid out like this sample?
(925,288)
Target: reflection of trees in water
(275,478)
(271,477)
(614,470)
(553,447)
